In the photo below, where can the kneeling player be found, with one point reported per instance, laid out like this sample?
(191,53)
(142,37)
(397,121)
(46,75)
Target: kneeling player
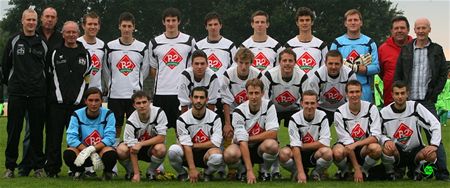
(144,137)
(199,133)
(90,137)
(309,134)
(358,126)
(255,125)
(401,137)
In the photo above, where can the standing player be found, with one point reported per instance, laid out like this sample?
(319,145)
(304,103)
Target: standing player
(95,46)
(329,82)
(360,52)
(310,50)
(255,132)
(402,140)
(170,54)
(90,137)
(144,137)
(127,63)
(262,45)
(198,76)
(309,136)
(199,133)
(358,126)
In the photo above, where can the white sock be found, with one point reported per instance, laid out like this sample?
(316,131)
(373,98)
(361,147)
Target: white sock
(342,165)
(388,162)
(276,166)
(322,165)
(369,162)
(155,163)
(269,159)
(290,166)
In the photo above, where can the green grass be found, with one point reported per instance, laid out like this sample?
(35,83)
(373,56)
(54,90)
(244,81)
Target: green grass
(65,181)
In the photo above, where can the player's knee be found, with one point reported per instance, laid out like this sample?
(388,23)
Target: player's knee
(285,154)
(269,146)
(326,153)
(215,159)
(374,150)
(338,154)
(122,151)
(159,150)
(388,152)
(175,153)
(232,154)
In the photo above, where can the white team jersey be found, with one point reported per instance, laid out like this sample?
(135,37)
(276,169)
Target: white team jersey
(191,130)
(187,83)
(233,90)
(247,124)
(265,52)
(220,54)
(138,131)
(310,55)
(170,56)
(331,91)
(97,52)
(402,127)
(285,95)
(302,131)
(351,128)
(128,66)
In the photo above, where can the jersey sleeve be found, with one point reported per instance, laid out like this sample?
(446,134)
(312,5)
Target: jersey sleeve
(383,137)
(374,67)
(343,136)
(324,134)
(272,119)
(216,137)
(225,92)
(375,127)
(183,90)
(213,90)
(324,52)
(333,46)
(266,83)
(129,138)
(238,122)
(183,134)
(294,134)
(313,83)
(145,64)
(161,123)
(151,57)
(189,60)
(73,133)
(233,51)
(109,136)
(428,121)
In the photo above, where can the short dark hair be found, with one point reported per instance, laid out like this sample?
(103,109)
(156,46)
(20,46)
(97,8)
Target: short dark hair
(92,15)
(260,13)
(199,53)
(255,82)
(287,51)
(171,12)
(92,91)
(399,18)
(126,16)
(333,53)
(309,93)
(211,16)
(244,53)
(400,84)
(305,11)
(352,83)
(140,94)
(199,88)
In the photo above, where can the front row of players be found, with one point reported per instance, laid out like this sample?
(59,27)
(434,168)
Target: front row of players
(364,136)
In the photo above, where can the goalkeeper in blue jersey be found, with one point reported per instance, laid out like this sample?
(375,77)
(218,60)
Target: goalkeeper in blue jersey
(359,52)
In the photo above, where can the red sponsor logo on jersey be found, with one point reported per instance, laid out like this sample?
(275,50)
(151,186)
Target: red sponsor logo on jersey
(96,64)
(93,138)
(285,99)
(307,138)
(403,133)
(172,58)
(125,65)
(255,130)
(241,97)
(352,56)
(358,133)
(333,96)
(306,62)
(261,62)
(214,62)
(145,136)
(200,137)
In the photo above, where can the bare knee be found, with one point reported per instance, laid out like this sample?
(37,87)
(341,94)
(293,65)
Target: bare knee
(339,152)
(325,153)
(159,150)
(374,150)
(123,151)
(285,154)
(269,146)
(232,154)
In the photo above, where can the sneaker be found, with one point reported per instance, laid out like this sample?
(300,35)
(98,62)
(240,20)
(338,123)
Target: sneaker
(39,173)
(128,176)
(315,176)
(183,177)
(242,176)
(264,176)
(107,176)
(391,176)
(207,177)
(150,177)
(8,174)
(276,176)
(77,176)
(342,176)
(70,173)
(90,174)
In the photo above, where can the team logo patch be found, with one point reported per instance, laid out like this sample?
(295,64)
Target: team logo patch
(93,138)
(82,61)
(306,62)
(96,65)
(260,62)
(200,137)
(20,49)
(307,138)
(241,97)
(214,62)
(285,99)
(333,96)
(145,136)
(352,56)
(125,65)
(255,130)
(172,58)
(403,133)
(357,133)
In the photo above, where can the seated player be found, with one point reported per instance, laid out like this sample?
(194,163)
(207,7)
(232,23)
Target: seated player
(199,133)
(309,136)
(143,138)
(90,137)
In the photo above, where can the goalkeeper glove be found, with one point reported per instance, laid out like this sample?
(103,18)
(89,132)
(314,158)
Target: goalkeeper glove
(83,155)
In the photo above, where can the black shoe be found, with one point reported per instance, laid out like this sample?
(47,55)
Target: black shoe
(391,176)
(52,175)
(242,176)
(150,177)
(107,176)
(264,176)
(183,177)
(276,176)
(128,176)
(342,176)
(77,176)
(90,174)
(23,173)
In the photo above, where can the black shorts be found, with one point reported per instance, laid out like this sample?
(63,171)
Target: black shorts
(359,158)
(198,155)
(145,154)
(286,116)
(254,156)
(120,107)
(170,104)
(407,158)
(308,159)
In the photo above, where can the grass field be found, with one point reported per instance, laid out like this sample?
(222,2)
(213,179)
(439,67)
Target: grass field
(65,181)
